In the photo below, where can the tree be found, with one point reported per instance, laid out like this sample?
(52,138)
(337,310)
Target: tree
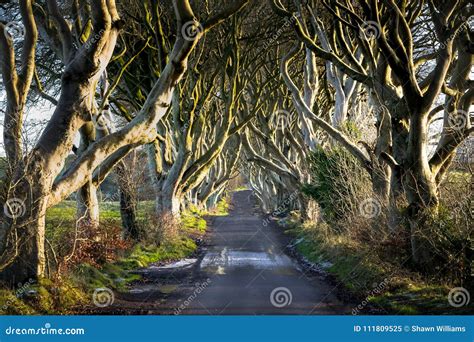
(390,48)
(37,185)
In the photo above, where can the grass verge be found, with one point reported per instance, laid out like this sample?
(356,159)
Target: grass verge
(72,289)
(380,286)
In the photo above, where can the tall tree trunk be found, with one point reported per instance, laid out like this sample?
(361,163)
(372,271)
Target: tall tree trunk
(421,190)
(170,201)
(88,205)
(23,233)
(128,207)
(24,236)
(87,212)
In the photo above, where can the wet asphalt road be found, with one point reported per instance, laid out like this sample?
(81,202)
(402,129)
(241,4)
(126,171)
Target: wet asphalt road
(242,269)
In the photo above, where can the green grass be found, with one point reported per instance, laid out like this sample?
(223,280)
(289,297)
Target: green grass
(74,289)
(361,270)
(409,299)
(59,297)
(117,275)
(65,212)
(221,209)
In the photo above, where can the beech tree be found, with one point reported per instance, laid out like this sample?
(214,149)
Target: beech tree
(36,185)
(387,36)
(205,92)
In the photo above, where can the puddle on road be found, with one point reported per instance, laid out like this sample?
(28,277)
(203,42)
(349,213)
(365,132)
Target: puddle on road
(177,264)
(165,289)
(231,258)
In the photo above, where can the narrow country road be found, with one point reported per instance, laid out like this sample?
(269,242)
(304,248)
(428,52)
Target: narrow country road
(242,269)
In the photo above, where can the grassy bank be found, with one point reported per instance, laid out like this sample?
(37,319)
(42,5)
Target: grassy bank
(379,281)
(73,283)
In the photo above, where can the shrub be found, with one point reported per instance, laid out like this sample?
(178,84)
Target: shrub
(338,183)
(84,243)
